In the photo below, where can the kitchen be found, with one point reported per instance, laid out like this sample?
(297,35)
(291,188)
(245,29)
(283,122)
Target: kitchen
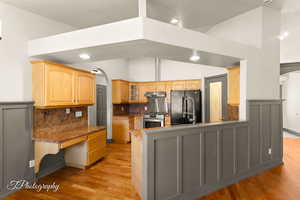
(151,104)
(192,126)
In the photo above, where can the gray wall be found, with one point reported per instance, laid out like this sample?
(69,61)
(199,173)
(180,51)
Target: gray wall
(16,145)
(192,161)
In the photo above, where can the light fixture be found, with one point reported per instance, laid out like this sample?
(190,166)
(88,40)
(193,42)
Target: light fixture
(174,21)
(284,35)
(268,2)
(84,56)
(195,57)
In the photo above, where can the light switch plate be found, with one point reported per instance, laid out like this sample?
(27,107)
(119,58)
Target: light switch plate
(31,163)
(78,114)
(68,110)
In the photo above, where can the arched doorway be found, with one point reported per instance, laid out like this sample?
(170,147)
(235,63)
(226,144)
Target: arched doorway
(102,79)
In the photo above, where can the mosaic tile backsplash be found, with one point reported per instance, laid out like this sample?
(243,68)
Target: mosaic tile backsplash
(56,120)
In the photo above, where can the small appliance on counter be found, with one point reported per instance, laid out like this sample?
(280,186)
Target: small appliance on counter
(157,109)
(186,107)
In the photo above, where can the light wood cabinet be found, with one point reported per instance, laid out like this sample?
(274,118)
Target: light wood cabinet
(87,152)
(56,85)
(161,86)
(193,84)
(122,125)
(234,85)
(120,92)
(144,88)
(59,85)
(178,85)
(136,90)
(121,129)
(85,88)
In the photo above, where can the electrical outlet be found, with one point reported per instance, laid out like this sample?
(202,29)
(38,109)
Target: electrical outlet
(31,163)
(270,151)
(78,114)
(68,110)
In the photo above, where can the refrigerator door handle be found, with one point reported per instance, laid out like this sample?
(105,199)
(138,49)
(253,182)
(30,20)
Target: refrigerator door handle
(183,107)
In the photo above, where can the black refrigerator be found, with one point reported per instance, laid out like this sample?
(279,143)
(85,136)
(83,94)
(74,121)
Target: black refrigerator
(182,108)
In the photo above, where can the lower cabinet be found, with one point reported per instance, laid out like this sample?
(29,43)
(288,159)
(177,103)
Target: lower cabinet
(87,153)
(16,145)
(122,125)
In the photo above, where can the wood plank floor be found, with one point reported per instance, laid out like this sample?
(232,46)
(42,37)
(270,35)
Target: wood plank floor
(110,180)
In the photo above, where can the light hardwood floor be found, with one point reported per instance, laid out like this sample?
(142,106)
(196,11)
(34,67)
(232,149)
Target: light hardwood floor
(110,180)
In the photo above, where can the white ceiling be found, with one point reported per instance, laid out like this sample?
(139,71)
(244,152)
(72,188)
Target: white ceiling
(87,13)
(136,49)
(80,13)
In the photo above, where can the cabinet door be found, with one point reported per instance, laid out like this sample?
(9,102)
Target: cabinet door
(120,92)
(120,129)
(193,85)
(85,88)
(116,95)
(134,89)
(124,92)
(178,85)
(146,87)
(161,87)
(60,85)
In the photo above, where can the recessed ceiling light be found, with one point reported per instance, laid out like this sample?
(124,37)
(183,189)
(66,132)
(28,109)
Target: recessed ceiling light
(195,57)
(84,56)
(283,35)
(174,21)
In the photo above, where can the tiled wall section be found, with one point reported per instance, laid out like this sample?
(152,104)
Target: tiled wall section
(233,112)
(125,109)
(56,120)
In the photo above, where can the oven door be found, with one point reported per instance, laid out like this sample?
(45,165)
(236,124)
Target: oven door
(152,123)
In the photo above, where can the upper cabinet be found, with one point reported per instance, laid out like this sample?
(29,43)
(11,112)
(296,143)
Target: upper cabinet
(120,92)
(193,84)
(234,85)
(56,85)
(136,90)
(85,88)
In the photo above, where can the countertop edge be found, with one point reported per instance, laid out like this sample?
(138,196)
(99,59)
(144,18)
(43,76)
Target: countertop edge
(190,126)
(70,138)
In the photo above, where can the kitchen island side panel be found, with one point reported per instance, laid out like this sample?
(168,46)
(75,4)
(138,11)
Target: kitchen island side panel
(189,162)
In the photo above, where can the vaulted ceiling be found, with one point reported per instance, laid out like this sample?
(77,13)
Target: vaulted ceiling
(87,13)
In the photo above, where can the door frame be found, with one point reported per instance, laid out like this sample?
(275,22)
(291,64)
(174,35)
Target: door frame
(219,78)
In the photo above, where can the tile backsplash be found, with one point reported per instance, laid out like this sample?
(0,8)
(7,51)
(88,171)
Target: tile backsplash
(57,120)
(125,109)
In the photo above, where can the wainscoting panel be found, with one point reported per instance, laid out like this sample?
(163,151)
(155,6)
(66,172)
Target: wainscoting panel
(189,162)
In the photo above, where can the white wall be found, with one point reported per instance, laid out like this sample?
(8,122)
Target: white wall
(115,69)
(18,27)
(143,69)
(245,28)
(291,105)
(259,28)
(172,70)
